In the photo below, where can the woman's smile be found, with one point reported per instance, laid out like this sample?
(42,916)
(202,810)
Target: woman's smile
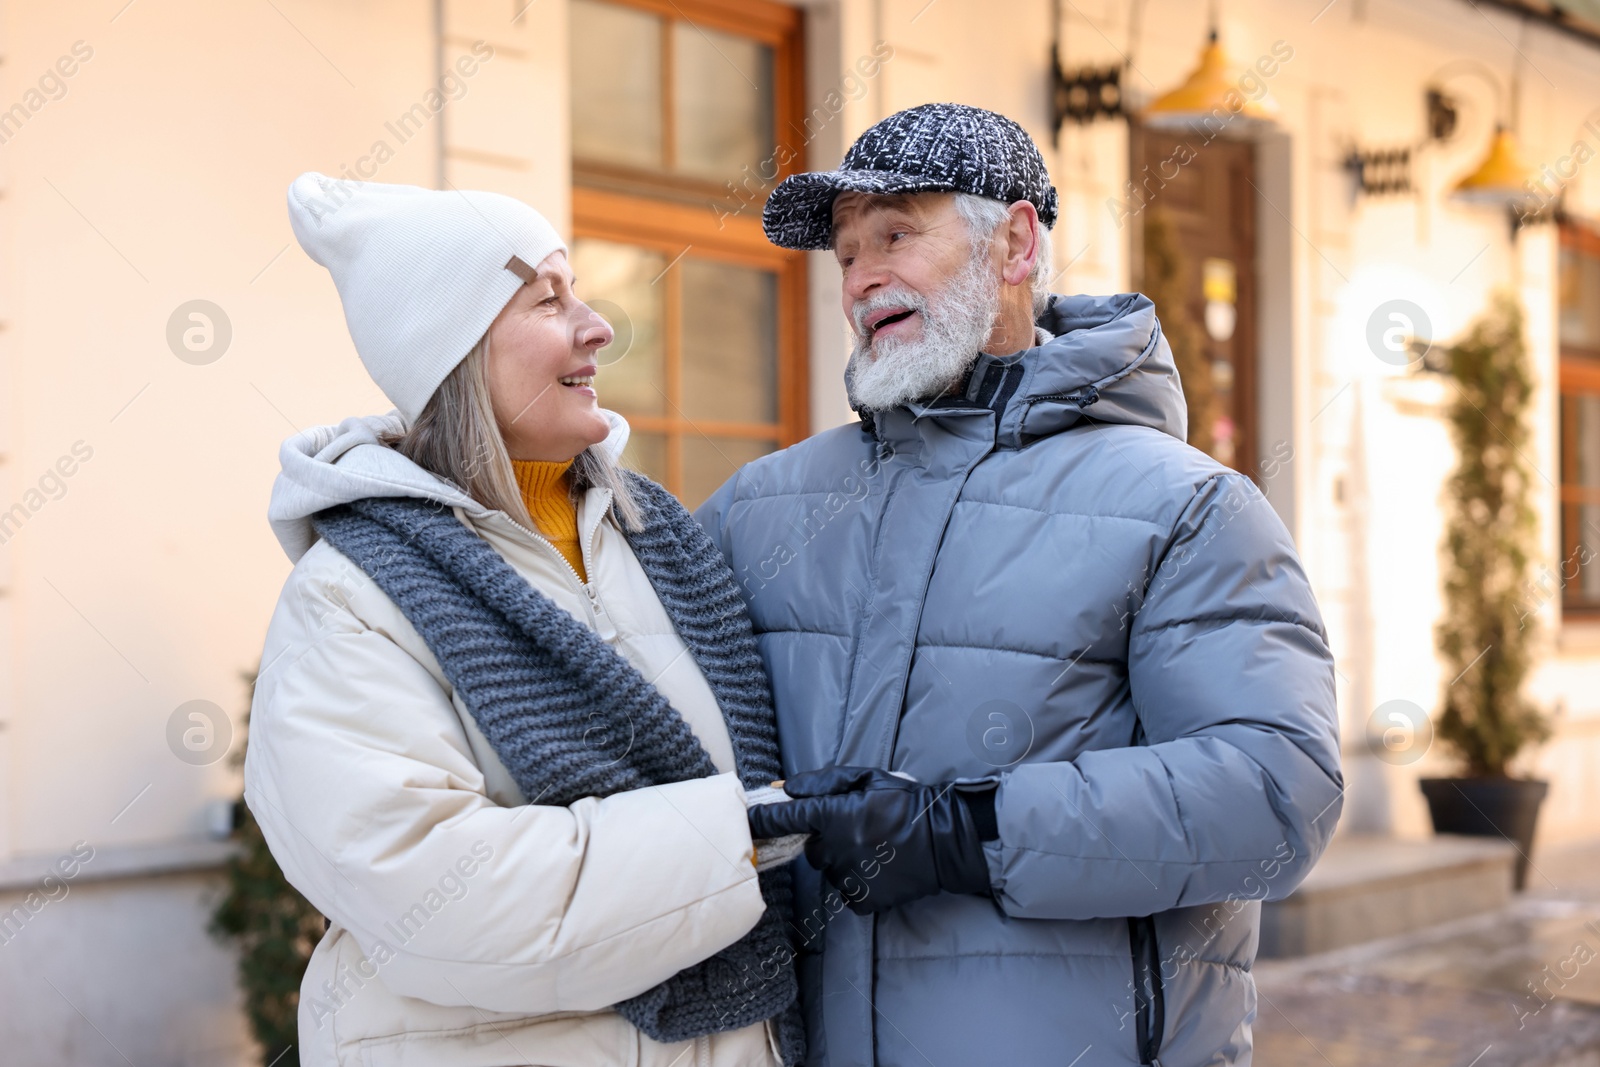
(581,381)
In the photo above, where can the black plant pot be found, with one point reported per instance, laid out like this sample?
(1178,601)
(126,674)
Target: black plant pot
(1488,807)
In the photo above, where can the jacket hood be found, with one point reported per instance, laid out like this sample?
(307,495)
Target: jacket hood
(330,465)
(1113,348)
(1108,362)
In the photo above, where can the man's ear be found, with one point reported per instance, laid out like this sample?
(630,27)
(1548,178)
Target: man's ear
(1021,245)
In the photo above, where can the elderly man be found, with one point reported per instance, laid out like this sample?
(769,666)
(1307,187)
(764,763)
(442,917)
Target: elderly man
(1052,689)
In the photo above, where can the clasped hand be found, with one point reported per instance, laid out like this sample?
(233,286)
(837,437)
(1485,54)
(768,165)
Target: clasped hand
(904,839)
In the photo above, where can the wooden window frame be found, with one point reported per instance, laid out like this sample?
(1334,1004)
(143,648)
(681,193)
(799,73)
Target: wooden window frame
(775,25)
(1578,375)
(679,216)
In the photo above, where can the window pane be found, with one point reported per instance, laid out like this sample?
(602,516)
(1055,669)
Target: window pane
(722,96)
(647,454)
(1580,299)
(615,55)
(708,462)
(1580,522)
(1585,408)
(1589,542)
(730,342)
(617,281)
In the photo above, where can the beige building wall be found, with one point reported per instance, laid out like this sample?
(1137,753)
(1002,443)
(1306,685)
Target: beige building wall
(157,179)
(145,578)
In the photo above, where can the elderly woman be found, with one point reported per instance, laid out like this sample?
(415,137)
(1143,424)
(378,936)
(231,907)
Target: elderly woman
(509,706)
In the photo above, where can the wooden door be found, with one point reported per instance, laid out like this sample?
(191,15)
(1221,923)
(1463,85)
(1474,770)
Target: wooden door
(1195,205)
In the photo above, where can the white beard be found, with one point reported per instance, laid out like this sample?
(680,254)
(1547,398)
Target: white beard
(956,321)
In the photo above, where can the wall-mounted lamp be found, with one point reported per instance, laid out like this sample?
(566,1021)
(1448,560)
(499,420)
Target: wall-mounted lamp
(1501,177)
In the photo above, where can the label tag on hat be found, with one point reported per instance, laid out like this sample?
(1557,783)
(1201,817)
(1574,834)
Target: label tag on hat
(516,266)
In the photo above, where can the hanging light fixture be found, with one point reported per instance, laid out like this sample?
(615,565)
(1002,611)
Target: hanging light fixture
(1501,178)
(1210,98)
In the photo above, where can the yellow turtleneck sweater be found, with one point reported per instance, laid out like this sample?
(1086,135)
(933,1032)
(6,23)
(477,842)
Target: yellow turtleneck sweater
(547,494)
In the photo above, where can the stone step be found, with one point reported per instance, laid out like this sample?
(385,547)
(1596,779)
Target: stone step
(1368,887)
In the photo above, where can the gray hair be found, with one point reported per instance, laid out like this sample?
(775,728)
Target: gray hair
(457,438)
(983,217)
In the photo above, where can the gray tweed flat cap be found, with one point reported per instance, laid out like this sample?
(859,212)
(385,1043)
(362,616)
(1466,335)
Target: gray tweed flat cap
(930,148)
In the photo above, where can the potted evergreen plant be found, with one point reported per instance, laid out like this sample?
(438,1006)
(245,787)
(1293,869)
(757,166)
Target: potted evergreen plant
(1485,637)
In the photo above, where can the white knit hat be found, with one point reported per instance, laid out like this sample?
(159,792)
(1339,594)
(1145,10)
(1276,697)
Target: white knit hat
(422,273)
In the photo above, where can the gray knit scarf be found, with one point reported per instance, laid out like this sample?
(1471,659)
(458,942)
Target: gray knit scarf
(538,682)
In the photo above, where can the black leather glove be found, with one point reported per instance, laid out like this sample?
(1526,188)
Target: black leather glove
(882,840)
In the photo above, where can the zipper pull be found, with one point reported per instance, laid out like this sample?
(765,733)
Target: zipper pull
(603,627)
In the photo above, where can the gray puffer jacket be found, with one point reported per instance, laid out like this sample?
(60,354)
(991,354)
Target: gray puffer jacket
(1038,581)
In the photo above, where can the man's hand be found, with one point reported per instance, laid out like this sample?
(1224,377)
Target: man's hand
(853,812)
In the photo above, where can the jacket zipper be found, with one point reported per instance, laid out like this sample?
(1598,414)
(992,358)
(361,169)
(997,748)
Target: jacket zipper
(1088,396)
(1149,1000)
(586,547)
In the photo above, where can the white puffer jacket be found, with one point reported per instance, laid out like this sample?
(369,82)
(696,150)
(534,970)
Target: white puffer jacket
(471,928)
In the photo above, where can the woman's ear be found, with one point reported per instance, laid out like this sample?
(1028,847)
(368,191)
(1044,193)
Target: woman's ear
(1021,246)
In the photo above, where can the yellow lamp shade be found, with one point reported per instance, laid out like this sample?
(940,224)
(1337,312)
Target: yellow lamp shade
(1210,97)
(1502,177)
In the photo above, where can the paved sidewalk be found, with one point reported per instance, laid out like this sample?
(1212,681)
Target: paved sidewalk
(1520,986)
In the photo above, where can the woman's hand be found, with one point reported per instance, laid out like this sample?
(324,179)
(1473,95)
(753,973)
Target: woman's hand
(777,849)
